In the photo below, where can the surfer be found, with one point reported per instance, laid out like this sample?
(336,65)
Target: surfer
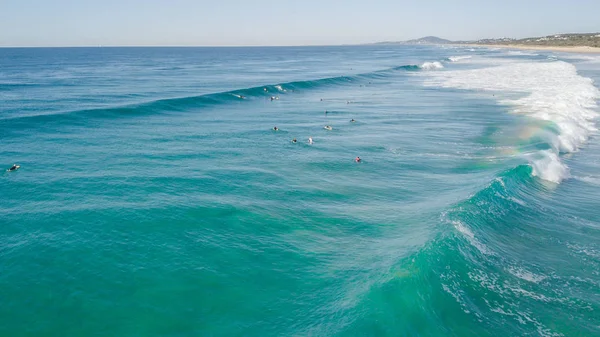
(327,127)
(310,141)
(357,159)
(275,128)
(352,120)
(294,140)
(13,168)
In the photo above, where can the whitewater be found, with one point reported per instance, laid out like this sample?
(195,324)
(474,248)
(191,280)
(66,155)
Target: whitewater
(552,91)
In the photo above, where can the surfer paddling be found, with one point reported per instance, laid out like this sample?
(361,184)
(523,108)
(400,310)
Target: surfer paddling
(14,168)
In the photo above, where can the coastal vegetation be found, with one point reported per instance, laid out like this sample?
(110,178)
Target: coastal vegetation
(558,40)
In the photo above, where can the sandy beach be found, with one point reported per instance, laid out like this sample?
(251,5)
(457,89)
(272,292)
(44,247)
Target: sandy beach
(577,49)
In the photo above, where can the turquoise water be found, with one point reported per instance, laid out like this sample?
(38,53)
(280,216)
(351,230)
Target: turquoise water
(154,198)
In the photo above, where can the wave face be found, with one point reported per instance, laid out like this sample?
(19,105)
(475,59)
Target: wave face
(487,266)
(551,91)
(155,193)
(181,104)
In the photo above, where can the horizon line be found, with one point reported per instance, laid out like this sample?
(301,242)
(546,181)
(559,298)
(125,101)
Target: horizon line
(191,46)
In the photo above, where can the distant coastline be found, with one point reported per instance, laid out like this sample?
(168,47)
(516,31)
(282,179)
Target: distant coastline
(567,49)
(574,43)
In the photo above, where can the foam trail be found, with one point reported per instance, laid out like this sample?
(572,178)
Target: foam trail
(431,65)
(458,58)
(521,53)
(553,91)
(590,180)
(468,234)
(582,58)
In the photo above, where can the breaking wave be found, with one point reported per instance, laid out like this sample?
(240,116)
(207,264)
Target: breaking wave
(550,91)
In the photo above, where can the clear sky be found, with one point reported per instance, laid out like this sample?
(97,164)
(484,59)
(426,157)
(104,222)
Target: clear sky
(283,22)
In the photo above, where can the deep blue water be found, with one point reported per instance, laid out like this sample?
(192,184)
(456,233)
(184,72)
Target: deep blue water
(154,197)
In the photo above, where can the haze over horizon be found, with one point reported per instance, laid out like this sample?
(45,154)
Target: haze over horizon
(268,22)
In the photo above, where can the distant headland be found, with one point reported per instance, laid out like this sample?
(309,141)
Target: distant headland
(588,42)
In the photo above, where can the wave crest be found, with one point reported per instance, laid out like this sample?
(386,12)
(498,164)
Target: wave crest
(458,58)
(547,165)
(226,97)
(431,65)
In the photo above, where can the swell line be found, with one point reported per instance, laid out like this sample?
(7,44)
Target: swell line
(180,104)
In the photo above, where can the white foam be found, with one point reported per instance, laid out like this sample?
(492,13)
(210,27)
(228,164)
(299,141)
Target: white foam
(553,91)
(431,65)
(526,275)
(468,234)
(520,52)
(581,58)
(590,180)
(457,297)
(499,180)
(459,58)
(517,201)
(547,165)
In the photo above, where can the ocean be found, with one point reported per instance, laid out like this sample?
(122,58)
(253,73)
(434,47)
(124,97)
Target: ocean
(155,198)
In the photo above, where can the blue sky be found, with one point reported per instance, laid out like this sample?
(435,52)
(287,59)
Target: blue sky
(282,22)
